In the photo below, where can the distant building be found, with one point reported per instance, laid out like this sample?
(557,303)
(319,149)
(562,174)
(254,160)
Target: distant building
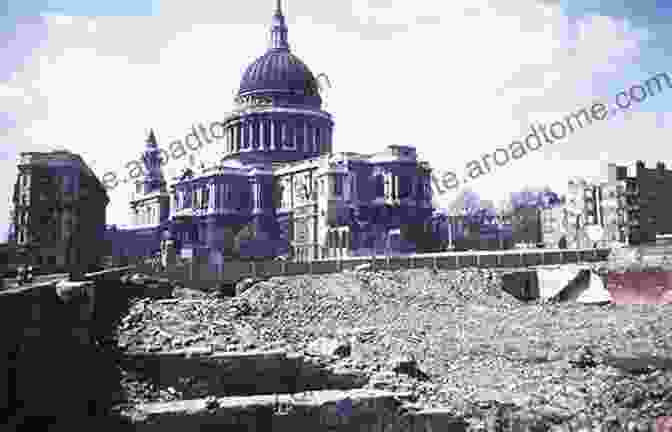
(553,225)
(58,210)
(583,206)
(614,212)
(588,203)
(644,200)
(526,226)
(8,258)
(461,232)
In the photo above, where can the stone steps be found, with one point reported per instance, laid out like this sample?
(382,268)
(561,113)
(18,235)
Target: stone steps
(198,372)
(269,390)
(342,410)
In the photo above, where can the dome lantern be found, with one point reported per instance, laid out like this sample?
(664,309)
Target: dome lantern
(279,72)
(279,30)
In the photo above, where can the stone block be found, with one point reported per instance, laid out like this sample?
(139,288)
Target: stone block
(522,285)
(329,347)
(434,420)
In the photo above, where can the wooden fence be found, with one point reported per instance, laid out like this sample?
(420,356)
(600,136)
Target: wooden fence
(208,276)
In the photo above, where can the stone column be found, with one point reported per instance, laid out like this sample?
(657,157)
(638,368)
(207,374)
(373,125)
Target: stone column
(272,142)
(327,133)
(244,135)
(283,134)
(236,138)
(261,134)
(259,203)
(250,133)
(211,197)
(255,196)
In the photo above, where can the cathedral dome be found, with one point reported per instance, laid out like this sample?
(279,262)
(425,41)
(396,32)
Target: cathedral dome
(278,71)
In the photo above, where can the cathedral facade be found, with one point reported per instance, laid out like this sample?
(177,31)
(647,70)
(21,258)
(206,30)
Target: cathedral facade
(277,188)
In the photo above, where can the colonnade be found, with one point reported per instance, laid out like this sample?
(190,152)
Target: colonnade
(338,242)
(271,135)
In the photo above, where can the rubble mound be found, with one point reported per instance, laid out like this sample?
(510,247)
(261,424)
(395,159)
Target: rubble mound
(453,339)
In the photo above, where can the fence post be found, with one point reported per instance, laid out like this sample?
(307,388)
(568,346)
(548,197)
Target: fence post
(254,269)
(521,259)
(283,268)
(578,256)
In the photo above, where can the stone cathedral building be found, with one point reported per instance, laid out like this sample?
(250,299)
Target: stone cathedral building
(277,187)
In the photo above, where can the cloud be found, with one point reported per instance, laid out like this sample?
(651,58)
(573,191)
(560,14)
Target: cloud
(455,90)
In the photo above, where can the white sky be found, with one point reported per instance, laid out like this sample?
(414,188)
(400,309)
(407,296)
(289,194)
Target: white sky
(455,79)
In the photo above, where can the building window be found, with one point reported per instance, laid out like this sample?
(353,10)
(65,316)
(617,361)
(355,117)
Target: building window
(205,197)
(379,184)
(228,189)
(404,186)
(67,184)
(299,136)
(338,185)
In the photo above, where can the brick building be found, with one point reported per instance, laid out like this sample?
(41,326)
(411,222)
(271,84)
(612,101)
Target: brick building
(644,196)
(58,210)
(553,225)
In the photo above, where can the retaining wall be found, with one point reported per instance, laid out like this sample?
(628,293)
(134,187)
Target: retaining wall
(200,276)
(51,366)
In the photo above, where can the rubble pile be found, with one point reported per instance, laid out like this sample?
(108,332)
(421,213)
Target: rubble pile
(624,259)
(450,339)
(177,323)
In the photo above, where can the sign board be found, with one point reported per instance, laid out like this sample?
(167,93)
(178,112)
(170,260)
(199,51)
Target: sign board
(594,232)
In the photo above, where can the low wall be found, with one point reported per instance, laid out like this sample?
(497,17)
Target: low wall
(51,365)
(205,277)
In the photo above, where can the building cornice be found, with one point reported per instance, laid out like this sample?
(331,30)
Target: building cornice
(237,114)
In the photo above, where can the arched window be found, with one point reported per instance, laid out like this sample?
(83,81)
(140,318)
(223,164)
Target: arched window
(379,184)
